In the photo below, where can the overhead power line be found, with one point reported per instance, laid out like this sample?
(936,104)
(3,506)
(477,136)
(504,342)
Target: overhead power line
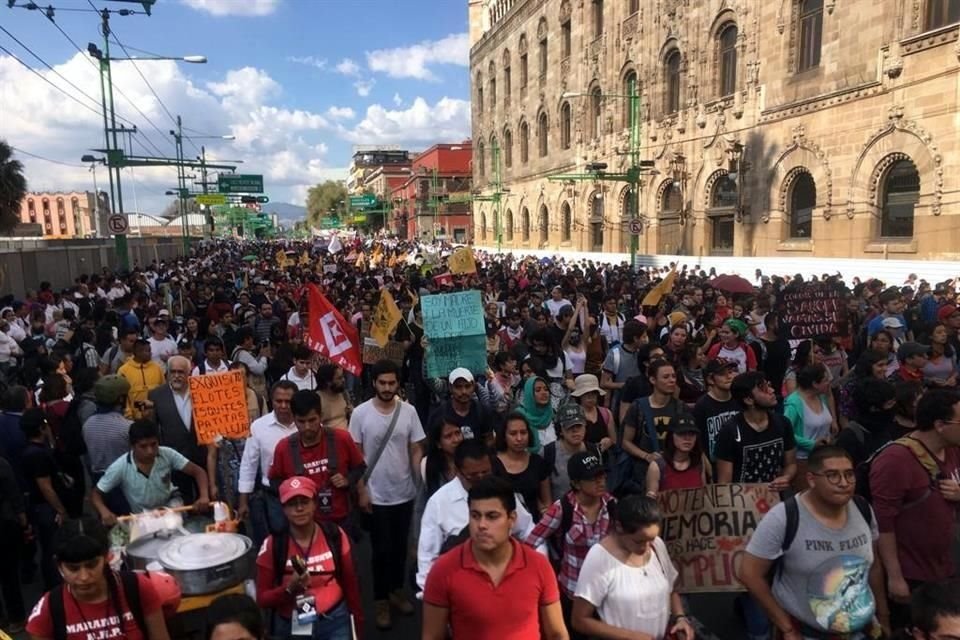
(97,112)
(39,157)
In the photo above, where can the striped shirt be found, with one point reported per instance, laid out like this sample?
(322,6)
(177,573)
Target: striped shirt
(107,436)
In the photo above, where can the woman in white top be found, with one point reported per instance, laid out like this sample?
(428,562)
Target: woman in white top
(628,579)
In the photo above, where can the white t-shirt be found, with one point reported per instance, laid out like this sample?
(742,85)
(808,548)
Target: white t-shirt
(160,350)
(624,596)
(392,480)
(554,306)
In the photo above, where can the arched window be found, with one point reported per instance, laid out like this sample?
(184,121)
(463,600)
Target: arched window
(811,34)
(566,223)
(507,149)
(544,224)
(507,78)
(671,72)
(723,203)
(479,85)
(597,18)
(509,225)
(901,194)
(493,87)
(596,112)
(524,142)
(728,59)
(481,160)
(494,156)
(542,131)
(596,222)
(630,88)
(32,210)
(543,52)
(940,13)
(525,224)
(669,229)
(483,225)
(565,126)
(803,198)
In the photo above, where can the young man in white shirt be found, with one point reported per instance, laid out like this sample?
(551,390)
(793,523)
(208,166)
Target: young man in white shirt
(300,373)
(213,362)
(162,346)
(391,483)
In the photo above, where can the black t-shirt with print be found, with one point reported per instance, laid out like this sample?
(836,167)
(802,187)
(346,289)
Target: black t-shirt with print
(757,456)
(710,415)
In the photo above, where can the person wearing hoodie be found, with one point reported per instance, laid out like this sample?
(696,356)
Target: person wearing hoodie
(875,402)
(143,374)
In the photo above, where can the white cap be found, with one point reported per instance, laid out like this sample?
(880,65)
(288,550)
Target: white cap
(892,323)
(460,373)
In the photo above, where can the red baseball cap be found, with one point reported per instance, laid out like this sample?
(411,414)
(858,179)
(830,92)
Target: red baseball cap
(297,486)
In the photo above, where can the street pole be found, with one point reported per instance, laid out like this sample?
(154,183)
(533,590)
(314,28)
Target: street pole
(208,217)
(182,187)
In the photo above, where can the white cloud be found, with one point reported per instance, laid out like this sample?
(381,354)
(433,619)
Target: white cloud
(415,61)
(397,100)
(364,87)
(348,67)
(446,121)
(341,113)
(234,7)
(244,87)
(310,61)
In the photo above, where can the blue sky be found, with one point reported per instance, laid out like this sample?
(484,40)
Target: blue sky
(297,82)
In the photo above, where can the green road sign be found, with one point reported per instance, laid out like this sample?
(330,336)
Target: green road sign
(366,201)
(240,184)
(329,222)
(212,199)
(263,199)
(254,199)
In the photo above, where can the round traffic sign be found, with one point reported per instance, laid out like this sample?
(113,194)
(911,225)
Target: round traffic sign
(118,224)
(636,227)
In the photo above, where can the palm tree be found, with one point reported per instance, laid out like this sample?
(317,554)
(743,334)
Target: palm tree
(13,188)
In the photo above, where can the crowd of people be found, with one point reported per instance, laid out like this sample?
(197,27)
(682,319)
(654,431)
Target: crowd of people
(515,502)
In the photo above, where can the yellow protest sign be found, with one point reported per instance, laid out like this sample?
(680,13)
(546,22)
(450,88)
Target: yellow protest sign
(461,261)
(219,406)
(662,288)
(385,318)
(304,259)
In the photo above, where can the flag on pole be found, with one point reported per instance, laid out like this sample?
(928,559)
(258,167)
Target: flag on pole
(661,289)
(335,245)
(331,335)
(461,261)
(386,317)
(304,259)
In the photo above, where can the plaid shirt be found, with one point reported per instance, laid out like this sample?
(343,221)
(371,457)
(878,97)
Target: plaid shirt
(578,539)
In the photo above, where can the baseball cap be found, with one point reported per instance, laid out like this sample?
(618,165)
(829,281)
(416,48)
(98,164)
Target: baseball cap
(570,414)
(460,373)
(892,323)
(717,365)
(585,465)
(683,423)
(911,349)
(946,311)
(109,390)
(297,486)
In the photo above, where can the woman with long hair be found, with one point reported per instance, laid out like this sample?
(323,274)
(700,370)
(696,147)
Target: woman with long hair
(870,364)
(808,410)
(437,467)
(600,428)
(907,394)
(941,367)
(807,353)
(527,472)
(683,464)
(882,341)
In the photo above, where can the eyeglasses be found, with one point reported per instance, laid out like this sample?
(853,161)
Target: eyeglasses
(833,476)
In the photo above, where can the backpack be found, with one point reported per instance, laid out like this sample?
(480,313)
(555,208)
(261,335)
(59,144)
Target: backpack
(627,475)
(555,542)
(131,591)
(922,457)
(281,542)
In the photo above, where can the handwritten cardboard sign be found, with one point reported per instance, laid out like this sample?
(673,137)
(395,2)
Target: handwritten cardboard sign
(452,315)
(219,406)
(373,353)
(813,309)
(446,354)
(706,531)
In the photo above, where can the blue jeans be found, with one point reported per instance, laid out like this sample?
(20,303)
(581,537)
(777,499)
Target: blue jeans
(266,516)
(333,625)
(755,618)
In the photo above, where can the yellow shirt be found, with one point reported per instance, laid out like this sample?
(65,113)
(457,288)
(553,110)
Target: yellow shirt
(142,378)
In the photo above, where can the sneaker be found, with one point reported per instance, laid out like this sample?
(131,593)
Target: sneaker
(401,603)
(381,614)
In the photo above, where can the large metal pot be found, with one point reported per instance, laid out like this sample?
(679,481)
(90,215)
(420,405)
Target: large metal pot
(207,562)
(146,549)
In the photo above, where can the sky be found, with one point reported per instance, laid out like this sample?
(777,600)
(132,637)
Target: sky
(296,82)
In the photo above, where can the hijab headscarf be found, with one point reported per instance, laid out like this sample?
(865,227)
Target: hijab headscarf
(539,417)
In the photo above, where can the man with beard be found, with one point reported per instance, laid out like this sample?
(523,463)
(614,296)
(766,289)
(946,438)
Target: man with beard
(332,389)
(462,408)
(391,437)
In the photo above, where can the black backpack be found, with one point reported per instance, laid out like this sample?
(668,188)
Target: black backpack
(555,542)
(131,591)
(929,466)
(281,541)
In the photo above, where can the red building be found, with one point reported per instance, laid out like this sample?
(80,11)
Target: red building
(434,202)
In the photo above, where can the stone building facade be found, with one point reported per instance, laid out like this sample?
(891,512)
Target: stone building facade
(824,128)
(61,214)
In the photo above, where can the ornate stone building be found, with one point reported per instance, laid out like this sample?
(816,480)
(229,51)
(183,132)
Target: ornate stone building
(824,128)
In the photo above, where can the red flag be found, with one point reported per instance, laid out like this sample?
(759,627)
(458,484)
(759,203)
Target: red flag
(330,335)
(444,280)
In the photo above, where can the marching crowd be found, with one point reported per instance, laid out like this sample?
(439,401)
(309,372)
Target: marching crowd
(517,502)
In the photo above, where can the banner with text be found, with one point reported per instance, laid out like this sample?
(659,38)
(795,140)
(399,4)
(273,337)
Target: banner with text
(219,406)
(706,531)
(453,324)
(373,352)
(813,309)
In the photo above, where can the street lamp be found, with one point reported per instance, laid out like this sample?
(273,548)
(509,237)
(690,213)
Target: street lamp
(93,161)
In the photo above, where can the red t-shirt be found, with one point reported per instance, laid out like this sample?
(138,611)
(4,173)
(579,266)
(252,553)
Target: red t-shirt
(456,582)
(98,621)
(333,504)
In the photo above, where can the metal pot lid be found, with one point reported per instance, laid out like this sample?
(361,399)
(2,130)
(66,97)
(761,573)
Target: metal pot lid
(203,550)
(149,545)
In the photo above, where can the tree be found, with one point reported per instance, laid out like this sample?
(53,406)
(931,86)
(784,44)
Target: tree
(324,197)
(172,210)
(13,188)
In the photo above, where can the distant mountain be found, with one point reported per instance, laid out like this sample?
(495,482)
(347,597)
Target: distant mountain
(288,213)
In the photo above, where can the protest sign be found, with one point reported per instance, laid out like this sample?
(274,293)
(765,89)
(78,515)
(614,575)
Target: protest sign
(706,531)
(813,309)
(373,352)
(219,406)
(453,324)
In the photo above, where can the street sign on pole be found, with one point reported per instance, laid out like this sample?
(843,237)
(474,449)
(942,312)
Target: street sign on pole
(636,227)
(228,183)
(329,222)
(254,199)
(118,224)
(366,201)
(211,199)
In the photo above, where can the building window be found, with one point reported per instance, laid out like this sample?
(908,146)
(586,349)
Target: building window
(524,142)
(728,60)
(566,223)
(803,198)
(597,18)
(494,157)
(509,225)
(596,112)
(483,225)
(479,93)
(493,93)
(723,202)
(901,194)
(32,211)
(940,13)
(525,224)
(481,160)
(542,131)
(566,40)
(523,73)
(565,126)
(507,148)
(633,7)
(506,85)
(543,59)
(811,34)
(671,71)
(544,224)
(630,88)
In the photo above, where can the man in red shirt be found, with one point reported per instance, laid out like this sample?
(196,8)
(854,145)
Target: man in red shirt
(329,457)
(516,582)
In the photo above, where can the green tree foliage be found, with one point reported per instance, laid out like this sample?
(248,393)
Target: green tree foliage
(324,197)
(13,188)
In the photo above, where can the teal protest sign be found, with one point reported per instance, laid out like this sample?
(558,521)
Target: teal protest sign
(453,323)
